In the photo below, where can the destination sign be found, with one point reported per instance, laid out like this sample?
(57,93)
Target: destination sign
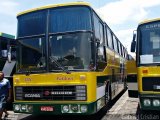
(157,25)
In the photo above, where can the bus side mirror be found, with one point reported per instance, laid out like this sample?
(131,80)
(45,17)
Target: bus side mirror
(133,44)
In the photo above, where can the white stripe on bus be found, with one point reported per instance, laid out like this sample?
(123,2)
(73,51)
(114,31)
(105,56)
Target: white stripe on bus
(132,86)
(101,91)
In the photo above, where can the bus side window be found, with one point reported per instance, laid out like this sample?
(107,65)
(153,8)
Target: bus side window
(109,38)
(119,48)
(98,26)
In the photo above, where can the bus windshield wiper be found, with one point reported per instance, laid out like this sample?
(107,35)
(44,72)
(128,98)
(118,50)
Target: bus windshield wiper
(28,71)
(59,65)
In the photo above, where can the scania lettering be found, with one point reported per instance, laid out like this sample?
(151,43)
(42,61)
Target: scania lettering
(32,95)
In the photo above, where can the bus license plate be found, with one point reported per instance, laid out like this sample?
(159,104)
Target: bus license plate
(46,108)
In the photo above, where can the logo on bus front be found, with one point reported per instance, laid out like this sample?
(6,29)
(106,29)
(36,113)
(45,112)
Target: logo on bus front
(46,93)
(32,95)
(61,93)
(27,79)
(64,78)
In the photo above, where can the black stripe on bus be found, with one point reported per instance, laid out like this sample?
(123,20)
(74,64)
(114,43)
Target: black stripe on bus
(132,78)
(133,93)
(101,80)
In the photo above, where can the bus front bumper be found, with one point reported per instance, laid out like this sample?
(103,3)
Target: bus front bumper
(54,109)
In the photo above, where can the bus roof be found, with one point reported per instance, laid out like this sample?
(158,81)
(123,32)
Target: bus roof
(7,35)
(149,20)
(53,6)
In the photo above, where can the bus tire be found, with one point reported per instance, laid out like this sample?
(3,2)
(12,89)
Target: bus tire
(107,94)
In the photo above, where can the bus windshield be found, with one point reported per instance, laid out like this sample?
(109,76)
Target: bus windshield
(31,54)
(61,30)
(73,51)
(149,44)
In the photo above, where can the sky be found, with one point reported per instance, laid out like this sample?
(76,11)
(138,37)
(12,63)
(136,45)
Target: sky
(122,16)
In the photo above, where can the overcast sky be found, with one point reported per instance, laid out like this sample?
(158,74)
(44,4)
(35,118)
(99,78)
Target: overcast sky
(122,16)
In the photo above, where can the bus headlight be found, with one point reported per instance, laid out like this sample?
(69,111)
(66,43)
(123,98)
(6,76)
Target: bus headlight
(23,107)
(30,108)
(65,108)
(74,108)
(147,102)
(84,108)
(16,107)
(156,103)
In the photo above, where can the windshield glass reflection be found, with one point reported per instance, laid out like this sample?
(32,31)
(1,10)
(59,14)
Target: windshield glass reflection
(150,43)
(32,55)
(73,51)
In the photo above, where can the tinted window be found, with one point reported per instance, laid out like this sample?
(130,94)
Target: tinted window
(122,51)
(32,24)
(105,35)
(97,27)
(70,19)
(115,44)
(119,47)
(150,43)
(3,46)
(109,36)
(32,54)
(71,50)
(125,54)
(101,33)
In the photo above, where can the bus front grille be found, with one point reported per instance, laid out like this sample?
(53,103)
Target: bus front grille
(151,84)
(53,93)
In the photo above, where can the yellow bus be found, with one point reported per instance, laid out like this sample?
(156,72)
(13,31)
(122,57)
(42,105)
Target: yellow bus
(147,44)
(69,61)
(132,77)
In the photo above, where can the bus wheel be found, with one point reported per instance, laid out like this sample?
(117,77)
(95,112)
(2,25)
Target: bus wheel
(107,94)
